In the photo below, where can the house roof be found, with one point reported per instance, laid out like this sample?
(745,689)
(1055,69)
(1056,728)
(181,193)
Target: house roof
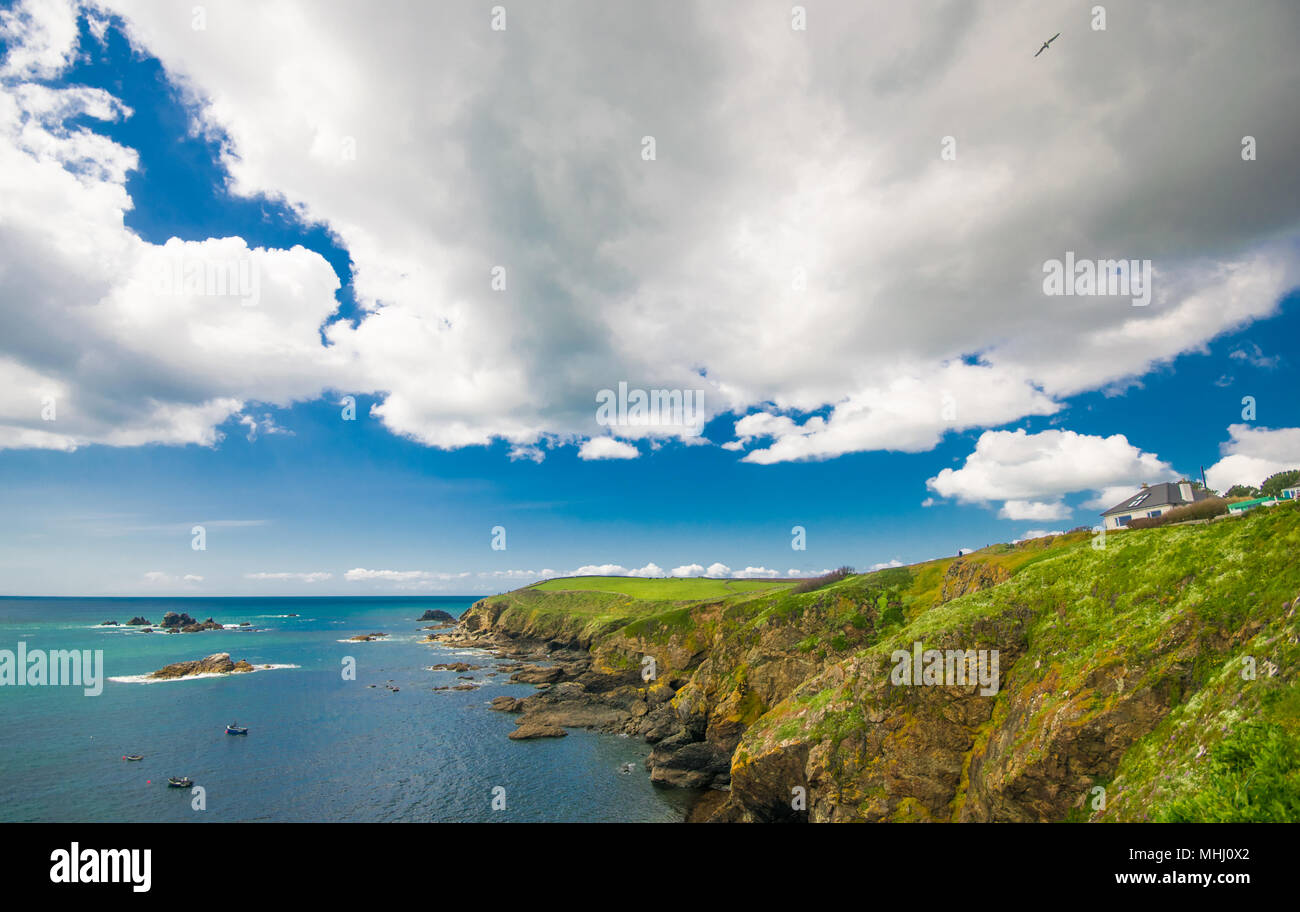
(1165,494)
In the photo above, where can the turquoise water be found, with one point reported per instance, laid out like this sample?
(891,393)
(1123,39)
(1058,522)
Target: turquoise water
(319,748)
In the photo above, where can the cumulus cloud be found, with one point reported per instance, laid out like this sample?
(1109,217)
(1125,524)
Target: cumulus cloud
(607,448)
(687,570)
(1030,473)
(1030,509)
(823,290)
(1251,454)
(885,565)
(756,573)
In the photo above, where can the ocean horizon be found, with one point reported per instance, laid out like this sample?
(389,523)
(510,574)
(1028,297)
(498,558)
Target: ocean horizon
(385,747)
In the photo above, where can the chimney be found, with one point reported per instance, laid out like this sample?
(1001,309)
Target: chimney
(1185,490)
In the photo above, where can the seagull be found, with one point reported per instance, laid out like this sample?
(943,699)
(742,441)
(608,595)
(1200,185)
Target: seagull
(1048,42)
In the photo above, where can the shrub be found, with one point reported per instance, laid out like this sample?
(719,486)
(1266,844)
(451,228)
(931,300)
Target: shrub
(1274,484)
(1252,775)
(817,582)
(1202,509)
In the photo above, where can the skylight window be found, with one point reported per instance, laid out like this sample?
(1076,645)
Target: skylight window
(1141,497)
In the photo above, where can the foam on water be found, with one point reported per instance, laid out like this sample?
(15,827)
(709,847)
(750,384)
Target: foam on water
(150,679)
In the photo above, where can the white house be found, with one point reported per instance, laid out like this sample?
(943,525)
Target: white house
(1290,493)
(1152,501)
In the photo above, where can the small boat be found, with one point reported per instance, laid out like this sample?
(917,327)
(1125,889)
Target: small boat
(233,729)
(180,782)
(133,757)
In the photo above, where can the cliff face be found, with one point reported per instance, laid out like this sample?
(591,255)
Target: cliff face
(1117,671)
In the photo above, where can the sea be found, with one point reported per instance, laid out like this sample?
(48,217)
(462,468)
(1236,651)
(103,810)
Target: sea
(320,747)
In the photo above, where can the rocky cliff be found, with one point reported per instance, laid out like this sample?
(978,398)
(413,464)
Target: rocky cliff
(1123,678)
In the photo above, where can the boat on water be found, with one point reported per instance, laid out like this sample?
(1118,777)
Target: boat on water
(233,729)
(133,757)
(180,782)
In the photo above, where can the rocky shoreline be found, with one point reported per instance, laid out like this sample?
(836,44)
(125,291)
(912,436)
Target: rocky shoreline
(576,690)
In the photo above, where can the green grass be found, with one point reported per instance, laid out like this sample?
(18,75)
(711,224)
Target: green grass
(671,590)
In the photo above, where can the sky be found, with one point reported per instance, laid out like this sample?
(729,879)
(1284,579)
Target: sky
(342,293)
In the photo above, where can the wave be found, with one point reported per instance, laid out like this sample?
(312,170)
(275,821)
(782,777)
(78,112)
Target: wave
(149,679)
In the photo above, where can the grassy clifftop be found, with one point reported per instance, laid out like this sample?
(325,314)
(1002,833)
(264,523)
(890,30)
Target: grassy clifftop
(1150,679)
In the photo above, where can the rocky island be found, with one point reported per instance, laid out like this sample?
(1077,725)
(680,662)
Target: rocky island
(173,622)
(217,663)
(1116,668)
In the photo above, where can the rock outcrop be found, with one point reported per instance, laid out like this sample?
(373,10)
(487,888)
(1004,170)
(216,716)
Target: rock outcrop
(434,614)
(217,663)
(528,730)
(173,621)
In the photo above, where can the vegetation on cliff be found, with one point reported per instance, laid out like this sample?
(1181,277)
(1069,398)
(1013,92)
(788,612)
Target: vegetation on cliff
(1149,679)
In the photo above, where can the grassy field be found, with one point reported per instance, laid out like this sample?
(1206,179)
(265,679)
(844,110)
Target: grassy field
(669,590)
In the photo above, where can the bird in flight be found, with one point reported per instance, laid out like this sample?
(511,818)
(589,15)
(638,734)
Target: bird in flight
(1047,43)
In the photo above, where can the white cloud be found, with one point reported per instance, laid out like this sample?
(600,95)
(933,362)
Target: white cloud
(314,577)
(160,578)
(530,453)
(42,38)
(653,570)
(885,565)
(1253,355)
(607,448)
(600,570)
(1030,473)
(756,573)
(1252,454)
(360,574)
(519,574)
(1031,509)
(649,570)
(521,149)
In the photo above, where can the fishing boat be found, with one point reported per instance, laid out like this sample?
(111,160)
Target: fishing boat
(180,782)
(233,729)
(133,757)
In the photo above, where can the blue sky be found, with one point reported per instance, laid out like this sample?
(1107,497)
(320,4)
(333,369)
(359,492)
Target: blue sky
(306,503)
